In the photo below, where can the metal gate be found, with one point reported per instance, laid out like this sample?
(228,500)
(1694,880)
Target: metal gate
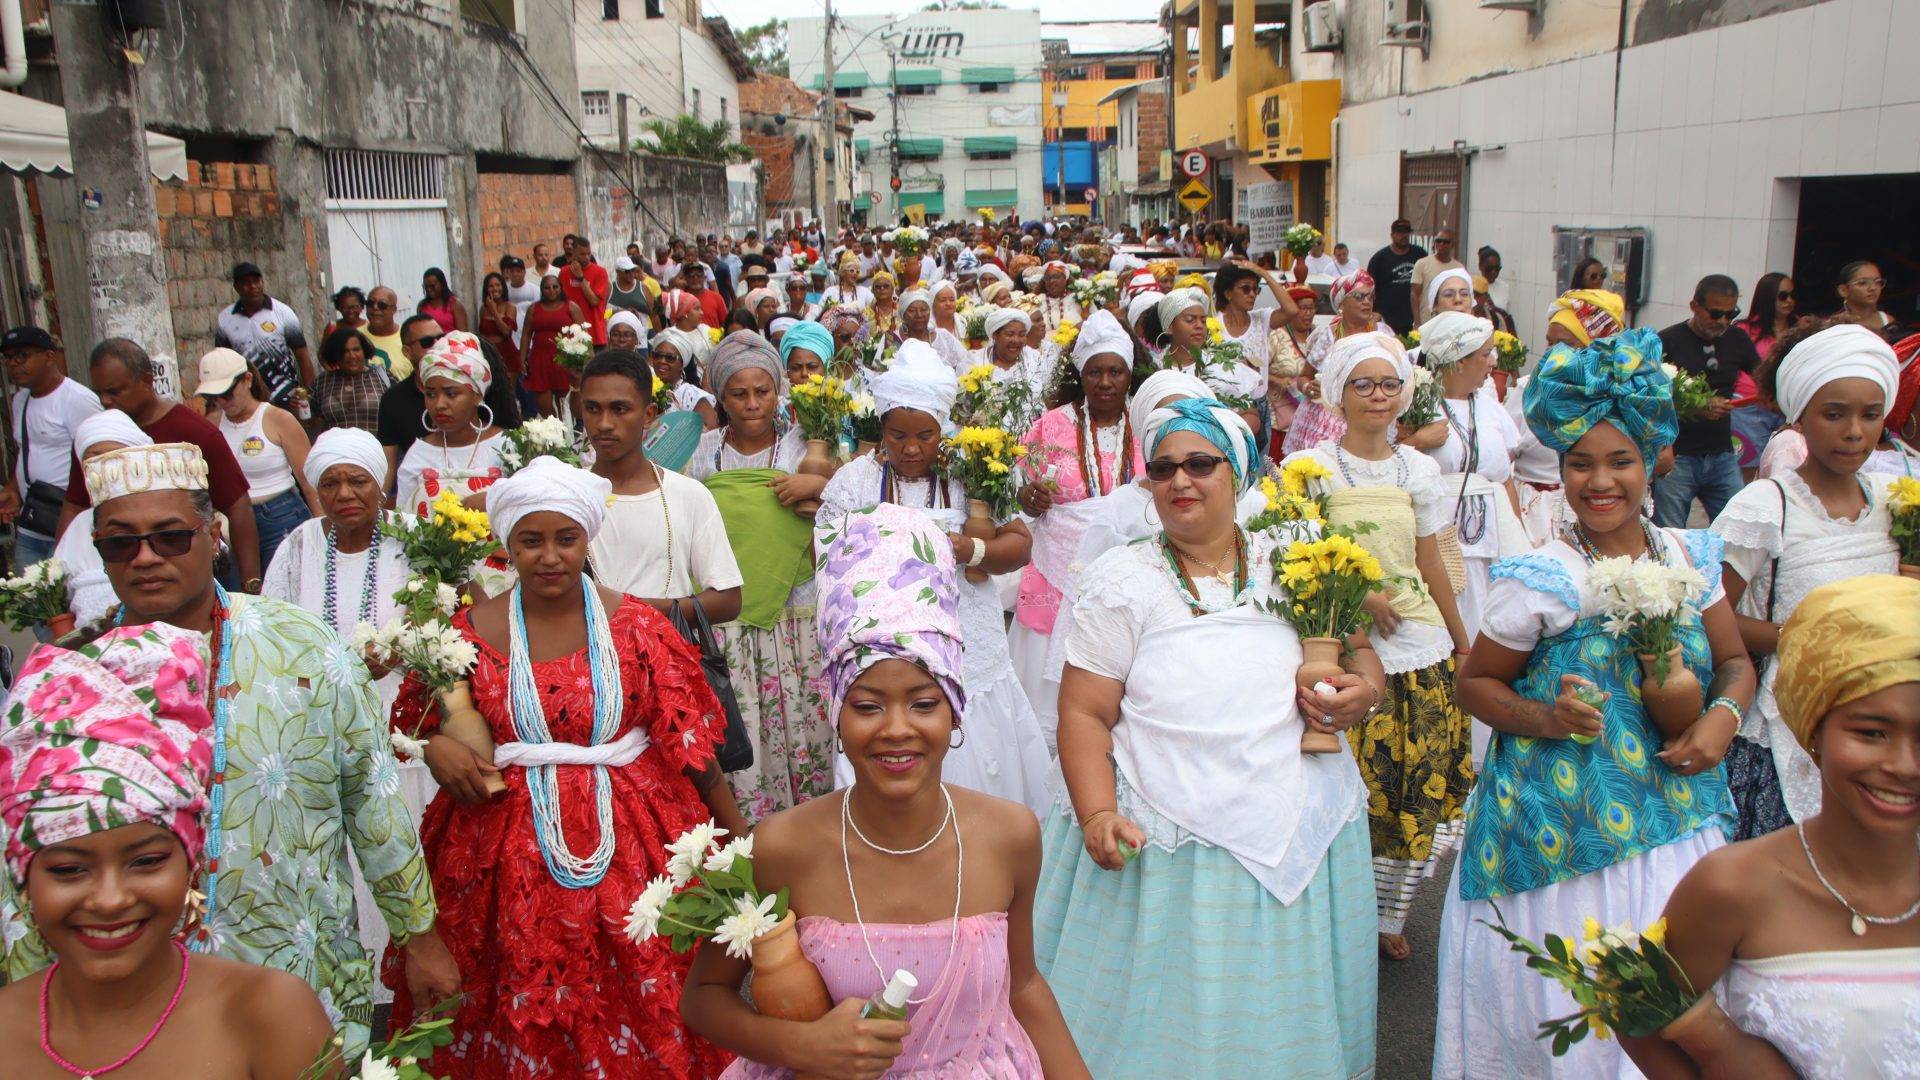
(1433,194)
(386,220)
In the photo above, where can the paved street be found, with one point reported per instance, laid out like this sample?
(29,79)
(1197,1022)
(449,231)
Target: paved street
(1408,988)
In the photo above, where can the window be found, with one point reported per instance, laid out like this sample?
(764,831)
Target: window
(491,12)
(696,102)
(1123,71)
(1073,74)
(848,91)
(914,91)
(596,111)
(1073,134)
(988,87)
(656,9)
(610,10)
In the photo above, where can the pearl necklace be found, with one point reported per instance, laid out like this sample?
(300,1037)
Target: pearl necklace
(329,599)
(1860,921)
(46,1025)
(959,877)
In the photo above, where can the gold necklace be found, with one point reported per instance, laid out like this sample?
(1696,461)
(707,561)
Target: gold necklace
(1222,574)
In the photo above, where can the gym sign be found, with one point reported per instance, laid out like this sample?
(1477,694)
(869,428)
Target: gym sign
(931,44)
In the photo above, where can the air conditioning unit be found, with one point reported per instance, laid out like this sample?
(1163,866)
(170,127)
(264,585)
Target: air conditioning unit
(1406,22)
(1323,27)
(1531,7)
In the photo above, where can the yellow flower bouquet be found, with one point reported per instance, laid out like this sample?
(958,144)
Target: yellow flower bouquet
(983,459)
(1509,351)
(1323,583)
(1903,500)
(1066,334)
(1623,981)
(1291,499)
(445,545)
(987,402)
(820,405)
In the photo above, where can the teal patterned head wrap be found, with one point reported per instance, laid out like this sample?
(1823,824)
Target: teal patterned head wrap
(1616,380)
(1215,423)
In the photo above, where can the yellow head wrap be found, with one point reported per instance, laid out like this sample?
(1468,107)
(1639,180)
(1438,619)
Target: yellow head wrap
(1845,641)
(883,275)
(1589,314)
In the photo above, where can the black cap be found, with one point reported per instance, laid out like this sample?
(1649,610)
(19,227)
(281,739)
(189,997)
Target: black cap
(512,262)
(244,270)
(1401,225)
(27,337)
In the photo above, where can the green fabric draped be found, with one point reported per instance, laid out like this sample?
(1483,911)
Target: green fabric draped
(770,541)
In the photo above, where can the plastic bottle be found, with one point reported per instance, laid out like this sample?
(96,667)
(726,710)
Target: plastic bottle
(891,1002)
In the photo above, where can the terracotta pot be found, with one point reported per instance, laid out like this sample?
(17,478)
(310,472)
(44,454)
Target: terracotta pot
(1909,570)
(1320,663)
(60,625)
(1674,704)
(785,983)
(817,461)
(863,447)
(460,720)
(1299,269)
(979,524)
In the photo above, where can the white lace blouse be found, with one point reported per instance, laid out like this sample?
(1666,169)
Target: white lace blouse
(1844,1015)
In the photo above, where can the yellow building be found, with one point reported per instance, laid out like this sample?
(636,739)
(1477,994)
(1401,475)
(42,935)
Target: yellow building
(1087,62)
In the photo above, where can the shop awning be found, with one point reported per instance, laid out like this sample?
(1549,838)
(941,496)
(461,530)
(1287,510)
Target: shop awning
(991,144)
(933,202)
(863,202)
(977,75)
(33,138)
(862,146)
(917,77)
(994,197)
(844,80)
(918,149)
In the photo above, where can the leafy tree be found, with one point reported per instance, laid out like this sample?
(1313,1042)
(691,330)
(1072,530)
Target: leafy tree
(766,46)
(691,137)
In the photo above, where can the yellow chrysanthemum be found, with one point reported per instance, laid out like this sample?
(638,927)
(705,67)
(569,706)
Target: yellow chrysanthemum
(1591,929)
(1904,494)
(1272,492)
(1656,932)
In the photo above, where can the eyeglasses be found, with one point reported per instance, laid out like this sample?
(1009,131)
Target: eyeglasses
(1869,282)
(1366,387)
(379,303)
(166,543)
(1198,466)
(1721,314)
(426,341)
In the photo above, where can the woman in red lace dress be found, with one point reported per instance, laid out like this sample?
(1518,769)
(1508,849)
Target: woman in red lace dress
(535,916)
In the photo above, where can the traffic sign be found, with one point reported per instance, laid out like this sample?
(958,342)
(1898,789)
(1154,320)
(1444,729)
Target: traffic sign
(1093,195)
(1194,163)
(1195,196)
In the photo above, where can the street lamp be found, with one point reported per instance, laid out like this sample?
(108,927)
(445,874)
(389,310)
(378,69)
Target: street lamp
(1060,136)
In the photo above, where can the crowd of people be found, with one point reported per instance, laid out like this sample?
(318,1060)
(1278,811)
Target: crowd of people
(239,839)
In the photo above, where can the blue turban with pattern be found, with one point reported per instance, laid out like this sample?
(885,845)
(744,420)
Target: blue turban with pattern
(1213,422)
(810,336)
(1616,380)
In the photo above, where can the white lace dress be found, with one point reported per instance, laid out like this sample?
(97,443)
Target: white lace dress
(1845,1015)
(1812,549)
(1003,753)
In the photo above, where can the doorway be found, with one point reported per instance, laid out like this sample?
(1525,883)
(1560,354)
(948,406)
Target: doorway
(1859,217)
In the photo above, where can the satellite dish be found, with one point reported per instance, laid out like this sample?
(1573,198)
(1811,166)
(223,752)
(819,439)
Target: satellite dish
(780,118)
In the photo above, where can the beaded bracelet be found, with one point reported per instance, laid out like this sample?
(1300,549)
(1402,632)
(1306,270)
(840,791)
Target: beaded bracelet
(1732,706)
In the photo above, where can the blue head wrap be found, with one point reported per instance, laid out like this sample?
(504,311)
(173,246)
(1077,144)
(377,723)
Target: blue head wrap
(810,336)
(1213,422)
(1615,380)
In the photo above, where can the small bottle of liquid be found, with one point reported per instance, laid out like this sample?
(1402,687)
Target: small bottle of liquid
(891,1003)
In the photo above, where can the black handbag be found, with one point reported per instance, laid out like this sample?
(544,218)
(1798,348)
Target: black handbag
(737,752)
(40,504)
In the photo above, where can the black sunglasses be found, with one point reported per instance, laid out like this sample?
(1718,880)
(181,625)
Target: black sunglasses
(1198,466)
(427,341)
(224,395)
(1784,294)
(1721,314)
(166,543)
(380,303)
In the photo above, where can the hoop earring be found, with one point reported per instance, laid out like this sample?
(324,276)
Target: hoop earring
(1152,514)
(1164,341)
(426,421)
(485,408)
(838,746)
(962,732)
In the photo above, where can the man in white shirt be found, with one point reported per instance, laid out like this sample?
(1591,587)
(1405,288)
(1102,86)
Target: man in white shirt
(663,533)
(542,264)
(47,409)
(521,289)
(1343,264)
(1321,264)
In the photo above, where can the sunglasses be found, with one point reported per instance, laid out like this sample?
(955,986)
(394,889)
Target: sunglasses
(225,395)
(1721,314)
(1366,387)
(426,341)
(1198,466)
(166,543)
(1784,295)
(379,303)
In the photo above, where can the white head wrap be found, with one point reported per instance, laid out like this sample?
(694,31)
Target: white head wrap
(1452,336)
(1158,387)
(1102,333)
(1847,351)
(754,296)
(135,470)
(112,425)
(916,296)
(547,483)
(1001,317)
(1433,287)
(1353,350)
(943,285)
(346,446)
(992,270)
(1143,303)
(684,342)
(1179,300)
(781,325)
(917,379)
(633,322)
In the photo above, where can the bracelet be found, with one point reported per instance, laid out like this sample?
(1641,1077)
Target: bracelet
(1092,816)
(1727,703)
(979,552)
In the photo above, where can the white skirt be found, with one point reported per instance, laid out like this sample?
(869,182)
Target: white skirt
(1002,754)
(1472,603)
(1491,1004)
(1029,648)
(417,789)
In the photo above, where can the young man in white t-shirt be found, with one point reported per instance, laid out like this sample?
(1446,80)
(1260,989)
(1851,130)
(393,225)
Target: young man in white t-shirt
(663,532)
(47,409)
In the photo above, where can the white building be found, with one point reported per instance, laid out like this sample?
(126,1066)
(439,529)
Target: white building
(665,56)
(956,103)
(1736,137)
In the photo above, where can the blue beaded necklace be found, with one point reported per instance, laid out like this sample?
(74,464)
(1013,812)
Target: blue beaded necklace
(330,603)
(530,726)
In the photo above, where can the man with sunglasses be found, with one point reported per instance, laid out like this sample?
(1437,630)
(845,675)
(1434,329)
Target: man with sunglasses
(122,375)
(1706,466)
(382,307)
(306,772)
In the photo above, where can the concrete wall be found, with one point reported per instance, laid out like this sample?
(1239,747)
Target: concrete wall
(678,197)
(1704,146)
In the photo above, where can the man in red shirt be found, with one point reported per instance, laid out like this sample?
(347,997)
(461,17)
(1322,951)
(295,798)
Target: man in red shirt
(585,283)
(713,306)
(122,375)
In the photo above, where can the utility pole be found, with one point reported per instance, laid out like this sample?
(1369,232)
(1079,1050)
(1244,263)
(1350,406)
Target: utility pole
(830,131)
(893,95)
(126,269)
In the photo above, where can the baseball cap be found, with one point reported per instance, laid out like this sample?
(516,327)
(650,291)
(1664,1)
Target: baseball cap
(1401,225)
(624,263)
(21,338)
(243,270)
(512,262)
(219,370)
(754,270)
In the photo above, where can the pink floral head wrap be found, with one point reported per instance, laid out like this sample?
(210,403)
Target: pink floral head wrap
(457,356)
(1338,291)
(678,302)
(111,734)
(889,590)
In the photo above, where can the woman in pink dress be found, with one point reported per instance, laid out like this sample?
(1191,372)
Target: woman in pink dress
(437,300)
(890,631)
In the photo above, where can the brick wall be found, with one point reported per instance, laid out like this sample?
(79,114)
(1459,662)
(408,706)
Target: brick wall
(519,210)
(221,213)
(764,98)
(1153,133)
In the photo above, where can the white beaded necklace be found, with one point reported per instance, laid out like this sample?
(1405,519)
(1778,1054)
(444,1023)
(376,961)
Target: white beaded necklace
(959,877)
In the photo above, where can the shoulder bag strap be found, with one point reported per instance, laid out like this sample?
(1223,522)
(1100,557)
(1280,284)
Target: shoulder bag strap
(1773,574)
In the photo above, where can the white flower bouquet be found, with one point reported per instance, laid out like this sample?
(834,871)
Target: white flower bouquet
(864,418)
(1644,601)
(36,596)
(433,654)
(546,436)
(1098,291)
(909,239)
(707,892)
(1425,406)
(1299,239)
(575,345)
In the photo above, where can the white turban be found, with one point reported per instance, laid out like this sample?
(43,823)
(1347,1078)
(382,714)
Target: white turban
(1847,351)
(1433,287)
(1102,333)
(1452,336)
(1001,317)
(916,296)
(916,379)
(1143,303)
(547,483)
(633,322)
(781,325)
(346,446)
(1352,351)
(112,425)
(1158,387)
(943,285)
(687,343)
(1179,300)
(754,296)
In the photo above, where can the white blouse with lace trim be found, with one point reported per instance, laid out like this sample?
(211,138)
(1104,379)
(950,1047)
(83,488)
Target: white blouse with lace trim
(1843,1015)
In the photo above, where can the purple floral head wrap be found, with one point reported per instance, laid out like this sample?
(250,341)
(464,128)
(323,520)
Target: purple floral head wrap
(889,590)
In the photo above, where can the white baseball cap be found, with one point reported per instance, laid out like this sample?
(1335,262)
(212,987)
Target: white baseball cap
(219,370)
(624,263)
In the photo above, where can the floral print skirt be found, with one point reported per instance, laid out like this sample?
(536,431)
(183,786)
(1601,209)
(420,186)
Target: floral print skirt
(775,672)
(1416,757)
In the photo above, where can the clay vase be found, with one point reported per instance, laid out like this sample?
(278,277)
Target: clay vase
(864,447)
(1321,662)
(1706,1033)
(786,985)
(460,720)
(1299,269)
(60,625)
(979,524)
(1675,703)
(817,461)
(1909,570)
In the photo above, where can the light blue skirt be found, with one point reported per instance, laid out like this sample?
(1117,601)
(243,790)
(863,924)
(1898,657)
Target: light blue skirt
(1181,964)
